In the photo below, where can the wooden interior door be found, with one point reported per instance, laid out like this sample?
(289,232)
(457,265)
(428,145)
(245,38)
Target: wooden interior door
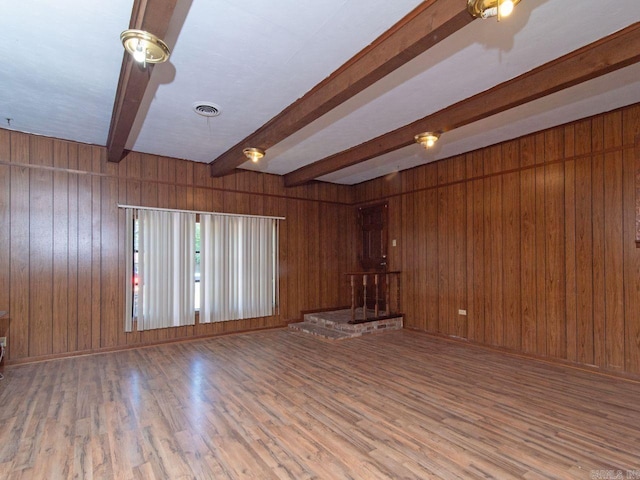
(373,237)
(373,222)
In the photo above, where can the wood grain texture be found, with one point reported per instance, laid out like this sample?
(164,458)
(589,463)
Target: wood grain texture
(41,247)
(555,244)
(60,310)
(511,242)
(550,261)
(64,232)
(514,273)
(637,155)
(631,161)
(278,404)
(570,244)
(19,231)
(598,179)
(584,244)
(5,219)
(613,243)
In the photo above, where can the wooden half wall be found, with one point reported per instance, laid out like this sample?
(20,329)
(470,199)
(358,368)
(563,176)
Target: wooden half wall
(534,238)
(62,239)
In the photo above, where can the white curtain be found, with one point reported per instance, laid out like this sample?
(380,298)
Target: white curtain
(129,274)
(238,264)
(166,269)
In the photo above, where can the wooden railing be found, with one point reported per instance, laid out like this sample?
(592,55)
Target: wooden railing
(369,289)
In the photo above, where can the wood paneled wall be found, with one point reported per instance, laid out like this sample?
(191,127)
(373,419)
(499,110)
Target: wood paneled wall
(534,238)
(62,240)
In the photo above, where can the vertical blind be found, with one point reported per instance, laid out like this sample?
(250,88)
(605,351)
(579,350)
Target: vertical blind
(238,267)
(238,264)
(166,268)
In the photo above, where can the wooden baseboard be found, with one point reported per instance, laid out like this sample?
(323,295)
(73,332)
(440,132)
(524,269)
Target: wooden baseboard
(99,351)
(631,377)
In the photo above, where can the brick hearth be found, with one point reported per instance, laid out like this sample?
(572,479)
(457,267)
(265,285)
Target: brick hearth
(335,325)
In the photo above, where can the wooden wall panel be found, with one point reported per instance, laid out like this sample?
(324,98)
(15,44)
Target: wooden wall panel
(72,236)
(60,310)
(408,265)
(96,244)
(18,344)
(420,301)
(528,285)
(5,220)
(85,264)
(598,217)
(41,248)
(511,246)
(570,248)
(494,254)
(540,251)
(584,243)
(5,236)
(444,242)
(431,287)
(613,243)
(476,310)
(536,239)
(555,244)
(631,163)
(62,250)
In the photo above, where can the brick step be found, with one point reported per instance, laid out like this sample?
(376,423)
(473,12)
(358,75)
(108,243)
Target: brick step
(334,325)
(319,330)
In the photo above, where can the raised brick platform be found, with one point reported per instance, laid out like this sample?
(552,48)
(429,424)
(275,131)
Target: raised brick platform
(335,325)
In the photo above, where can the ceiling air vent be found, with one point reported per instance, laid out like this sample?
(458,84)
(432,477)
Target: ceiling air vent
(207,109)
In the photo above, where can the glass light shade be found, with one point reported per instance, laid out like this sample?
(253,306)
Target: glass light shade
(145,47)
(489,8)
(427,139)
(253,154)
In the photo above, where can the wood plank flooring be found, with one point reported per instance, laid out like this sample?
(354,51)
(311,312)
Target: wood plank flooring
(279,404)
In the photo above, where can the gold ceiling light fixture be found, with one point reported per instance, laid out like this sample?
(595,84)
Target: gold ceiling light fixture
(253,154)
(427,139)
(144,47)
(491,8)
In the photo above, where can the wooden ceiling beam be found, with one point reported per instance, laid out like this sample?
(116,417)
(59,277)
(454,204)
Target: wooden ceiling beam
(611,53)
(152,16)
(429,23)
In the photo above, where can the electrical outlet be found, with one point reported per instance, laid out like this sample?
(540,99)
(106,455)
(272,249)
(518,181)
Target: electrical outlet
(3,342)
(462,312)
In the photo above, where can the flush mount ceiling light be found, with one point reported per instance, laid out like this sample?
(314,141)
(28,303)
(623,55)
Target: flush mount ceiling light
(253,154)
(427,139)
(491,8)
(145,47)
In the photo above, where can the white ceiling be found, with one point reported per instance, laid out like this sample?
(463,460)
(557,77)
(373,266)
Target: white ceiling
(60,63)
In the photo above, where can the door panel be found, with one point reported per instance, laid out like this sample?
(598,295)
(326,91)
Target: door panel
(373,251)
(373,237)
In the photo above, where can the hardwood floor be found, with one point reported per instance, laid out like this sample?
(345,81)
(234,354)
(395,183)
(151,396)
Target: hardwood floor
(280,404)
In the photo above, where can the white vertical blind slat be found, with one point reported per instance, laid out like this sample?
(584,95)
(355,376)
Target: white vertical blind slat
(166,264)
(238,267)
(129,277)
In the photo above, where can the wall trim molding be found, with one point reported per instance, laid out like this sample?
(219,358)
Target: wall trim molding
(72,171)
